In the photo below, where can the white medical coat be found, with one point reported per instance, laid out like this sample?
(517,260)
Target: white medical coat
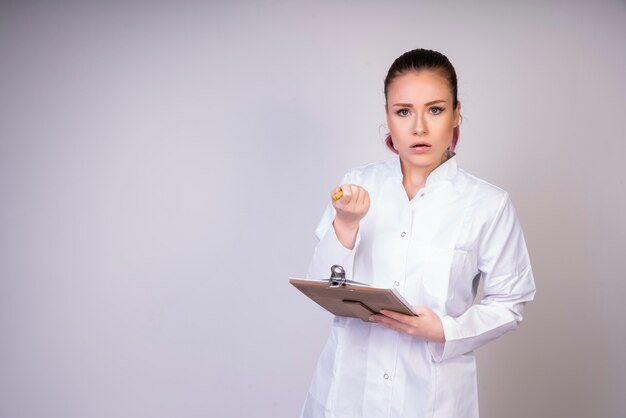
(433,249)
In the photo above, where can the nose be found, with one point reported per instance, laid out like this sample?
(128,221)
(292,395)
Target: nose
(420,124)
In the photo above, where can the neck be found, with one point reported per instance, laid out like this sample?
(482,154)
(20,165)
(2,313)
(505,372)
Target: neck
(414,177)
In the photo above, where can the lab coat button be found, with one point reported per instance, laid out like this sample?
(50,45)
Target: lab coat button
(386,376)
(396,283)
(403,234)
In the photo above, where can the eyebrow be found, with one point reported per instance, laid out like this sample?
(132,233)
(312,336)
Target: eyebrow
(410,105)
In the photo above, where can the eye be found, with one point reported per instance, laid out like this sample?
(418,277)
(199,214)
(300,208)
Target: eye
(435,110)
(403,112)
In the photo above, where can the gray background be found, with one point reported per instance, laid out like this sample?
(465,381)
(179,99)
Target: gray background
(163,166)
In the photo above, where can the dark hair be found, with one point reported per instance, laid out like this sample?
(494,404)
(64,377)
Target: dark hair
(424,59)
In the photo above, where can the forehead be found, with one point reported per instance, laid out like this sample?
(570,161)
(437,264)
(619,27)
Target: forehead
(418,87)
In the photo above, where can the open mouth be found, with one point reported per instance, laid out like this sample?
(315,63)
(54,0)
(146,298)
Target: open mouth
(420,145)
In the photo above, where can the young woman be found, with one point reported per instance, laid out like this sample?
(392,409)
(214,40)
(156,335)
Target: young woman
(418,223)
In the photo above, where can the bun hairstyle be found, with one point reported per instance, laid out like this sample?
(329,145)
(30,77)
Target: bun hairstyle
(418,60)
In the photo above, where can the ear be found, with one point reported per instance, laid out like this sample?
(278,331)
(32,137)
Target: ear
(457,114)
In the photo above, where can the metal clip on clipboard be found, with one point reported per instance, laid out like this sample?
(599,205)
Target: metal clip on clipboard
(356,307)
(337,276)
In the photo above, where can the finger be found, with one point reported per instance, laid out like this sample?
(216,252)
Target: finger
(358,192)
(354,189)
(393,324)
(365,200)
(405,319)
(422,311)
(399,327)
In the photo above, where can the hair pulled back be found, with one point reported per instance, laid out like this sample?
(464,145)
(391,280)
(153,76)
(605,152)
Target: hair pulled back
(429,60)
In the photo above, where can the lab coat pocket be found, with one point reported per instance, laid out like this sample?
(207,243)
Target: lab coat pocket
(439,270)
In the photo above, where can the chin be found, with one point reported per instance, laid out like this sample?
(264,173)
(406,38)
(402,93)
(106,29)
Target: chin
(425,161)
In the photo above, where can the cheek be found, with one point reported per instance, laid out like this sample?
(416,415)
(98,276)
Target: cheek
(395,132)
(443,125)
(396,124)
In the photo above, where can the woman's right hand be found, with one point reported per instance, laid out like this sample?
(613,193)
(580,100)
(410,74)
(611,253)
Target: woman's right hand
(350,209)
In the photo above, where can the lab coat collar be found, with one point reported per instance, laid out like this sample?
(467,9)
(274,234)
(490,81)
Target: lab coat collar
(445,172)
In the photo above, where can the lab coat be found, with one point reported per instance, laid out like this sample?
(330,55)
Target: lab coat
(433,250)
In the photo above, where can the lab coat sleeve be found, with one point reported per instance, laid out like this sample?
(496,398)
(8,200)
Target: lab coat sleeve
(508,284)
(329,251)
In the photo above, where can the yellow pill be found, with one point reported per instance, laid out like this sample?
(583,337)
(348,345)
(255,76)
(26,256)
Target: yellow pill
(338,195)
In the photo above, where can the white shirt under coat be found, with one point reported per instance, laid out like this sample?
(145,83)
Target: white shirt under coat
(433,249)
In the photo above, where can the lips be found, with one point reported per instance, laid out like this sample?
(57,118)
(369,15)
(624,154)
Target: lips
(420,148)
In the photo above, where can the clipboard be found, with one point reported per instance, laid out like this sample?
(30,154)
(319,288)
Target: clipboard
(344,297)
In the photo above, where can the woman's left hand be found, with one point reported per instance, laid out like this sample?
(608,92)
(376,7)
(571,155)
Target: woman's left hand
(426,325)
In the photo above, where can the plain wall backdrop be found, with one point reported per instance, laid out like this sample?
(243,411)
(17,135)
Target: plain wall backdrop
(163,166)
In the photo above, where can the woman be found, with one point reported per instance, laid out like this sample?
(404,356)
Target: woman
(420,224)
